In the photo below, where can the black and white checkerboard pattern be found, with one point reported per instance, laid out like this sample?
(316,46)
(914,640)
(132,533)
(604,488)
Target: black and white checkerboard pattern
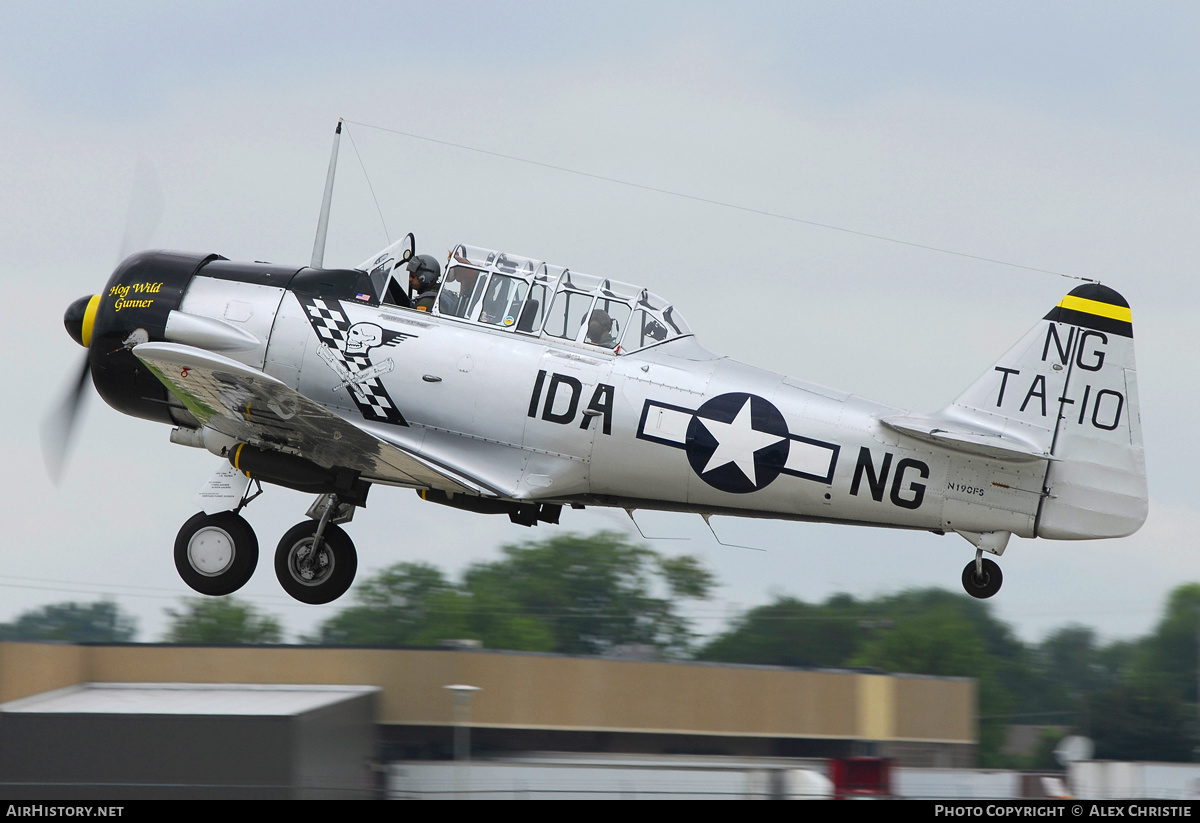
(330,323)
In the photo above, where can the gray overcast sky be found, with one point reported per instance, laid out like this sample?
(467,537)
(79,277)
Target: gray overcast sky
(1060,136)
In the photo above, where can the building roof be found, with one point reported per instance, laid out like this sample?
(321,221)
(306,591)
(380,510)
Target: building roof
(280,700)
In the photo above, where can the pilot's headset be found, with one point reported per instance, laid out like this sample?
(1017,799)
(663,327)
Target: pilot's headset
(427,271)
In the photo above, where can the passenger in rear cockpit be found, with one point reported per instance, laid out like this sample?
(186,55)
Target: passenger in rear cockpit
(599,331)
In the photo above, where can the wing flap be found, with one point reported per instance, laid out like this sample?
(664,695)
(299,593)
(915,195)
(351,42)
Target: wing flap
(253,407)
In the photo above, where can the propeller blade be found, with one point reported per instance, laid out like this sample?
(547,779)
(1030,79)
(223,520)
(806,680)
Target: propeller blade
(59,426)
(145,210)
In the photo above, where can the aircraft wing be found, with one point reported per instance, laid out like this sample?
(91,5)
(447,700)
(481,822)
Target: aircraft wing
(250,406)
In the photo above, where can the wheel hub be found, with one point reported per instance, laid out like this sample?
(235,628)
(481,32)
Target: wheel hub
(210,551)
(309,569)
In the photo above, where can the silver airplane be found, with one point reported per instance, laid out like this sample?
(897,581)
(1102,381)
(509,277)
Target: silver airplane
(513,386)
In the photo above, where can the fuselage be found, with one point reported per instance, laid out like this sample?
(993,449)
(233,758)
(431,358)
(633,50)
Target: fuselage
(537,416)
(671,427)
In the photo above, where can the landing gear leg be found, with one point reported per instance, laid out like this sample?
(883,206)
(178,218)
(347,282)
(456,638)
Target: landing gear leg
(982,578)
(315,561)
(216,554)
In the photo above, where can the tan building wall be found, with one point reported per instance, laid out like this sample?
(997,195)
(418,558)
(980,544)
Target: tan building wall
(545,692)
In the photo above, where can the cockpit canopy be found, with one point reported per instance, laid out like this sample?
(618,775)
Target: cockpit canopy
(531,297)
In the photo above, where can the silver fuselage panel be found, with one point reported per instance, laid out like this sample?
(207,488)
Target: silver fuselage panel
(670,426)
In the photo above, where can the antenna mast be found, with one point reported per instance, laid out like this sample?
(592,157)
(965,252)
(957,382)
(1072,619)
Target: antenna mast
(318,255)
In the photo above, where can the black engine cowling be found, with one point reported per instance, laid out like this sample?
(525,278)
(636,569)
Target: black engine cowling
(133,309)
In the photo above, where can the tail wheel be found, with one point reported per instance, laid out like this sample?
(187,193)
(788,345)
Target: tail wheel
(216,554)
(315,577)
(984,584)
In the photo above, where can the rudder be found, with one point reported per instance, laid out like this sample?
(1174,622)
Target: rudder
(1097,485)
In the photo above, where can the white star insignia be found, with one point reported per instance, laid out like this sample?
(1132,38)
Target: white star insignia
(737,442)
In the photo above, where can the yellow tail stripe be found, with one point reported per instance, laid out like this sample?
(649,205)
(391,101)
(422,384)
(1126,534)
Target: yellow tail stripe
(1097,308)
(89,318)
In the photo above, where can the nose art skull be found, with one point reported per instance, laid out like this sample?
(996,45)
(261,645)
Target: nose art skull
(363,337)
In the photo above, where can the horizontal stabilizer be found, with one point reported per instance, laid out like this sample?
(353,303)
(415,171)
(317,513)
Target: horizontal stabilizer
(977,441)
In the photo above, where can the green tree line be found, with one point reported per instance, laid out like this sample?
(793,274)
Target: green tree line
(602,594)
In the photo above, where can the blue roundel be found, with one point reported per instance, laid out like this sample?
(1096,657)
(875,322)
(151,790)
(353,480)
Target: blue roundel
(737,442)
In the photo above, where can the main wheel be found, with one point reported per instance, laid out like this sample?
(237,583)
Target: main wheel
(985,585)
(315,578)
(216,554)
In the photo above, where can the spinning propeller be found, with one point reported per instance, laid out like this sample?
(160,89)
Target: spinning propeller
(145,209)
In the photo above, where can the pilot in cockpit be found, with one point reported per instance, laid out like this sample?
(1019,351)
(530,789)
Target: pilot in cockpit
(424,275)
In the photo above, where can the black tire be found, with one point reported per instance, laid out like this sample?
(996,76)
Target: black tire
(216,554)
(986,585)
(337,563)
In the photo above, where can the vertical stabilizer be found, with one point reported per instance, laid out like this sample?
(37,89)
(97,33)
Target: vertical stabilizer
(1068,390)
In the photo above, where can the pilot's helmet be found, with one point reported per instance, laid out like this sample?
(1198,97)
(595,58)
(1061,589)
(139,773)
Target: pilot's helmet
(426,269)
(601,320)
